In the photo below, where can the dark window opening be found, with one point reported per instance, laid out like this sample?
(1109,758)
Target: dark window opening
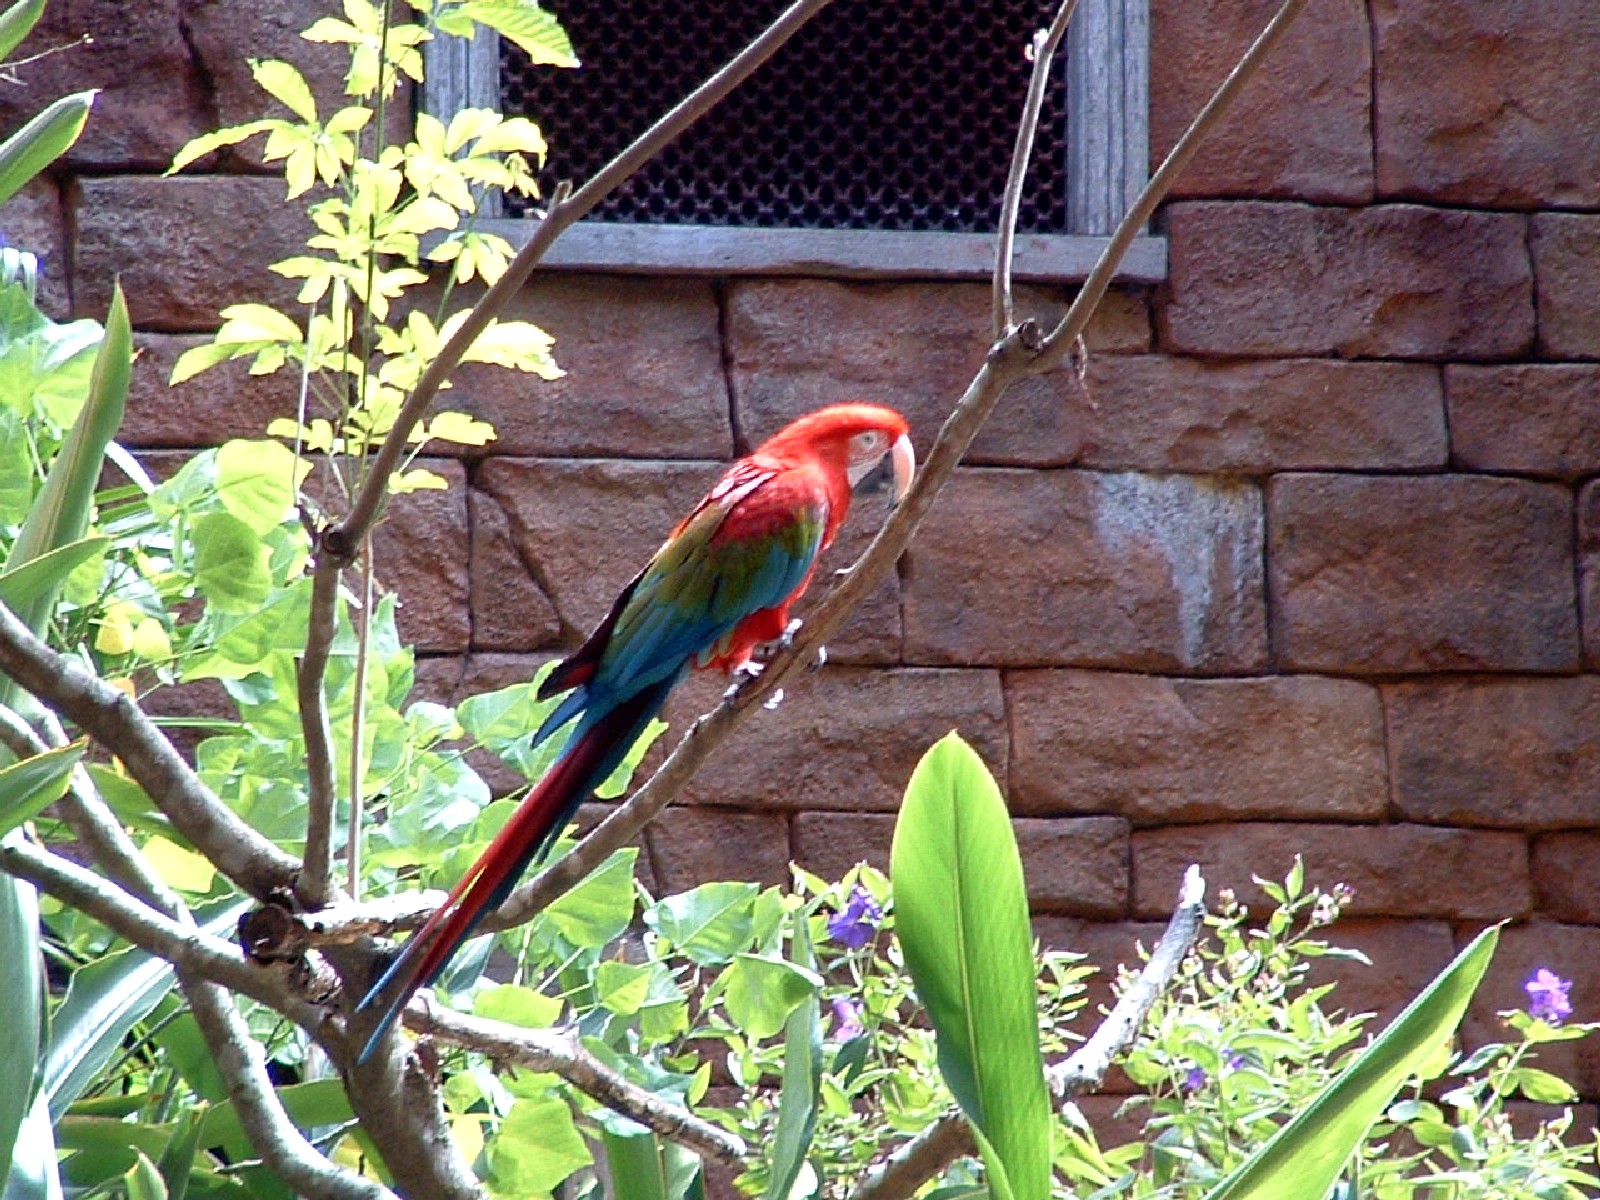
(894,116)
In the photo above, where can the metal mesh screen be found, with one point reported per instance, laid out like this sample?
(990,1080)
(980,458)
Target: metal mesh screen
(875,116)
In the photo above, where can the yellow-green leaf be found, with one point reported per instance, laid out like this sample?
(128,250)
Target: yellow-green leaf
(286,85)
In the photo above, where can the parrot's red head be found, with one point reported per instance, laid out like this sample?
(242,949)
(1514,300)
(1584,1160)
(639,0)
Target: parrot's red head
(852,438)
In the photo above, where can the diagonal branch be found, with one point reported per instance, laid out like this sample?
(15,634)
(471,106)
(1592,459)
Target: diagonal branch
(562,1054)
(950,1137)
(109,716)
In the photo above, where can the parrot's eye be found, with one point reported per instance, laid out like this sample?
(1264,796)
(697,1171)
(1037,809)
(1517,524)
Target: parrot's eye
(868,445)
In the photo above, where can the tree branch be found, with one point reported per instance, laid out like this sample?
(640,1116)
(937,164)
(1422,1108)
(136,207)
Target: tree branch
(116,722)
(1044,45)
(317,863)
(950,1137)
(563,1055)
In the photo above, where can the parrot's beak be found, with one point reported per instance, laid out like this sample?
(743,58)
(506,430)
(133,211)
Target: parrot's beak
(904,460)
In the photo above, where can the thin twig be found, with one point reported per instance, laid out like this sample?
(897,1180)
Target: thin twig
(563,211)
(1043,47)
(352,848)
(109,716)
(1012,358)
(950,1137)
(321,777)
(562,1054)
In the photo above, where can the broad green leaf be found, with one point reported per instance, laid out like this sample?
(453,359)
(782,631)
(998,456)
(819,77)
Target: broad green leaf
(230,563)
(60,516)
(961,914)
(710,924)
(105,1000)
(33,1174)
(802,1081)
(42,576)
(321,1102)
(16,23)
(517,1005)
(41,141)
(181,869)
(257,481)
(22,984)
(759,993)
(595,913)
(537,1147)
(176,1163)
(535,31)
(28,787)
(633,1161)
(144,1182)
(1544,1088)
(623,987)
(1303,1160)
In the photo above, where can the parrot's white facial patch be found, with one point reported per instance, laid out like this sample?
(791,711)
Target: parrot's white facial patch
(867,450)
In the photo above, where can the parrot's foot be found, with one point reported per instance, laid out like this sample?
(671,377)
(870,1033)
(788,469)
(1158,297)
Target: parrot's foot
(789,631)
(772,701)
(822,658)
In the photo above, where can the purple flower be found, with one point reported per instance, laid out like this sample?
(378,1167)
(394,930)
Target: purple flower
(848,1015)
(857,921)
(1194,1078)
(1547,996)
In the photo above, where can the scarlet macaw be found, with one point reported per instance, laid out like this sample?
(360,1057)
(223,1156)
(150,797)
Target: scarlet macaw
(719,586)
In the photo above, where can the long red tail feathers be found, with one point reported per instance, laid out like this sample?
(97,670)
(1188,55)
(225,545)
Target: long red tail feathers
(585,763)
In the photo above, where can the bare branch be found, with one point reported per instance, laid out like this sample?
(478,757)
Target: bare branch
(950,1137)
(280,1144)
(1076,319)
(317,865)
(563,211)
(115,721)
(1043,47)
(563,1055)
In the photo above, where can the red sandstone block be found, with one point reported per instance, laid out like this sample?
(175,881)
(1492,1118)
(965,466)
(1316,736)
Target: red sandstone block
(795,345)
(1532,419)
(207,410)
(1589,570)
(509,609)
(643,363)
(1404,958)
(1071,568)
(1566,267)
(1394,281)
(34,222)
(1421,574)
(1565,867)
(1076,866)
(154,98)
(1486,103)
(1572,952)
(185,248)
(1300,130)
(691,846)
(1164,413)
(842,738)
(1165,750)
(420,550)
(584,527)
(1523,753)
(1396,870)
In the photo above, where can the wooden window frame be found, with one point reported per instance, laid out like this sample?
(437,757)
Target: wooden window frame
(1108,148)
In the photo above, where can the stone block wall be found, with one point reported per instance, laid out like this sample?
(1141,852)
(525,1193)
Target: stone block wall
(1305,562)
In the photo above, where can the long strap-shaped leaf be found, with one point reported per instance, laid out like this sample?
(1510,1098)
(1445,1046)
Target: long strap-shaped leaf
(1302,1161)
(961,914)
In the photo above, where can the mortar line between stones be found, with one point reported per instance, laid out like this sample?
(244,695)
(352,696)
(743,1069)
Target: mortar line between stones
(719,292)
(1372,97)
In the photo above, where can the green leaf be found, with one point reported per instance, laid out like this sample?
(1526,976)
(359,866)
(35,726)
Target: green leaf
(517,1005)
(257,481)
(595,913)
(759,993)
(535,32)
(802,1081)
(230,563)
(60,516)
(17,22)
(197,148)
(105,1000)
(1544,1088)
(41,141)
(38,577)
(143,1181)
(176,1163)
(633,1160)
(623,987)
(286,85)
(28,787)
(1303,1160)
(34,1175)
(710,924)
(961,914)
(22,984)
(537,1147)
(321,1102)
